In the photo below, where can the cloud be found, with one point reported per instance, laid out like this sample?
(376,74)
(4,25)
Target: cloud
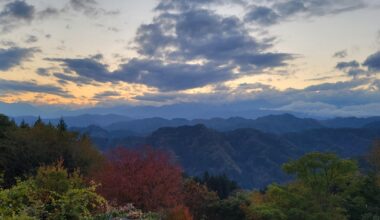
(175,76)
(273,12)
(184,5)
(370,66)
(8,43)
(89,8)
(373,62)
(63,79)
(202,34)
(31,39)
(340,54)
(182,50)
(48,12)
(106,94)
(345,65)
(19,9)
(88,68)
(43,71)
(155,73)
(30,86)
(14,56)
(262,15)
(16,13)
(355,92)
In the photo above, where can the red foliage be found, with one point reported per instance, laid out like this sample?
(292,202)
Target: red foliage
(145,177)
(179,213)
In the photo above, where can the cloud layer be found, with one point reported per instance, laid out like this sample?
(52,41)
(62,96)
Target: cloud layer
(14,56)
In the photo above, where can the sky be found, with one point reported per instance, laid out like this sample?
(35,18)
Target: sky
(315,57)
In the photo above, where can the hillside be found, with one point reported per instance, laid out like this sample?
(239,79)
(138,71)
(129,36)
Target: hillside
(249,156)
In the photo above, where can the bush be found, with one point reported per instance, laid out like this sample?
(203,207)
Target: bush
(52,194)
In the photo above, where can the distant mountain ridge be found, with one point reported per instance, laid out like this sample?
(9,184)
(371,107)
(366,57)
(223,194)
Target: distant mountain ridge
(251,157)
(283,123)
(278,124)
(272,123)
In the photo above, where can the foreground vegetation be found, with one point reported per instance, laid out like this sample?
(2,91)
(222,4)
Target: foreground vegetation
(49,172)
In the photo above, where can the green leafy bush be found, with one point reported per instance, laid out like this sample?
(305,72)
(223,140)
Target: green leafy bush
(52,194)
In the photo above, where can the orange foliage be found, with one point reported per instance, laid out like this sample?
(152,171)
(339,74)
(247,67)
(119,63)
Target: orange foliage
(145,177)
(179,213)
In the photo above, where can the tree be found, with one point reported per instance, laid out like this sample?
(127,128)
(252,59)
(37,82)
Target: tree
(324,173)
(5,124)
(61,125)
(198,199)
(38,122)
(374,157)
(23,124)
(179,213)
(221,184)
(230,208)
(362,201)
(319,191)
(22,151)
(145,177)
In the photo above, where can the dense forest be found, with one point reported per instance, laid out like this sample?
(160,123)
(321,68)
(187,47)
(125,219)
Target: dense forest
(50,172)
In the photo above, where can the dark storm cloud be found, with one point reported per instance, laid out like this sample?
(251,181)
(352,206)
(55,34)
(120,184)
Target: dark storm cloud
(30,86)
(373,62)
(14,56)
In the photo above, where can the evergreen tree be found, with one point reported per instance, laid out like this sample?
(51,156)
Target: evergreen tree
(38,122)
(61,125)
(23,124)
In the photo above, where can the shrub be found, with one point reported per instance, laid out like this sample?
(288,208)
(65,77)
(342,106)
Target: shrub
(52,194)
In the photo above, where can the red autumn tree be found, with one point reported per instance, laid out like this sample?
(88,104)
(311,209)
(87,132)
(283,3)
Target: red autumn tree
(146,177)
(179,213)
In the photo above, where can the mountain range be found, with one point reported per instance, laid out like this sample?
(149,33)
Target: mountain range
(282,123)
(250,151)
(251,157)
